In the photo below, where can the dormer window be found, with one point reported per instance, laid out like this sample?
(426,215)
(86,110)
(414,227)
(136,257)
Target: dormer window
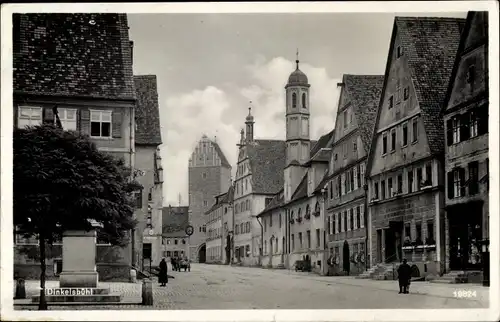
(399,51)
(471,73)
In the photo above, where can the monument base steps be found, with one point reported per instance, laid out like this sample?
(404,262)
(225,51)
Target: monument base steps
(89,299)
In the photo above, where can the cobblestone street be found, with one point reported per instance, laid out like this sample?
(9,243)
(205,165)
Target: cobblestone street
(223,287)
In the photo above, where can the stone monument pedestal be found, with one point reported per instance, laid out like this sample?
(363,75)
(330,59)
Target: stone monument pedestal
(78,254)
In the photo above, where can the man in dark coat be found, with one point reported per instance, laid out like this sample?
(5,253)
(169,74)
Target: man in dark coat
(162,276)
(404,275)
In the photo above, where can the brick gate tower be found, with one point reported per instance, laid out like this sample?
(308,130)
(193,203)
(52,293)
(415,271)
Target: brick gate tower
(209,176)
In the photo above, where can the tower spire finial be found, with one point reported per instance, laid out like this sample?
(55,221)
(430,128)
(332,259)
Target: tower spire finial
(250,108)
(297,58)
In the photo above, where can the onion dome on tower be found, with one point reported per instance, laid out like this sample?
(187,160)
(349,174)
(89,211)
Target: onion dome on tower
(297,77)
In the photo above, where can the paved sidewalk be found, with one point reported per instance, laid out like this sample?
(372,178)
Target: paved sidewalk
(478,292)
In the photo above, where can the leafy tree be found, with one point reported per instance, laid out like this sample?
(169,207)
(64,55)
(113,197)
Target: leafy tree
(62,182)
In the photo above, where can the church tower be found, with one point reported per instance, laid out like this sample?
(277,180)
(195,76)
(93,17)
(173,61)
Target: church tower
(249,125)
(297,129)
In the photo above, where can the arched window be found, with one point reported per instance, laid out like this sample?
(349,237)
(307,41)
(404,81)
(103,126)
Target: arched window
(292,216)
(299,213)
(241,228)
(316,209)
(304,100)
(294,100)
(308,210)
(247,205)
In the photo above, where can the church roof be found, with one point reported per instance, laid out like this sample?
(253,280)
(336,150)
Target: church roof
(72,55)
(174,221)
(267,161)
(364,92)
(147,113)
(430,45)
(297,77)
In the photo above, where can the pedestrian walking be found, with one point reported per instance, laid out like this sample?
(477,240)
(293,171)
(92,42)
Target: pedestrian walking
(162,276)
(404,275)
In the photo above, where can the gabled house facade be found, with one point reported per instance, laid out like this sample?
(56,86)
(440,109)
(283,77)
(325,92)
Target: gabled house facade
(259,176)
(219,222)
(346,200)
(175,241)
(406,160)
(149,201)
(466,152)
(81,63)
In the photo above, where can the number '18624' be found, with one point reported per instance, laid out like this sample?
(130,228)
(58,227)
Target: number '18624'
(464,293)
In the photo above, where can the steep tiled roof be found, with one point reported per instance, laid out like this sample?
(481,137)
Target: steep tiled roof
(147,113)
(430,45)
(221,154)
(322,183)
(76,54)
(277,202)
(301,191)
(223,198)
(364,93)
(267,161)
(321,143)
(174,221)
(474,35)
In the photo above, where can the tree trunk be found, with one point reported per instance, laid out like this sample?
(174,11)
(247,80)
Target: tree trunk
(43,303)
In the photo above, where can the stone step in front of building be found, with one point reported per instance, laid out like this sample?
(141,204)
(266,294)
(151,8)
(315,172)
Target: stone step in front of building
(459,277)
(96,298)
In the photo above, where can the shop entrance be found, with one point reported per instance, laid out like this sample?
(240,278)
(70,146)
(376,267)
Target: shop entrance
(465,231)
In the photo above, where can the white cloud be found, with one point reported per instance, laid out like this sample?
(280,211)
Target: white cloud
(221,112)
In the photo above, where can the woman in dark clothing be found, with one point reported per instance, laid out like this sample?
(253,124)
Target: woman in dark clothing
(404,276)
(162,276)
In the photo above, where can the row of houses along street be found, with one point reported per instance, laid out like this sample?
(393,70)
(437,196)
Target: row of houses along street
(404,173)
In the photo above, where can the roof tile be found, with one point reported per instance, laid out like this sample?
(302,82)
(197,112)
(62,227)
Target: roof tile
(364,93)
(147,113)
(174,221)
(431,46)
(66,55)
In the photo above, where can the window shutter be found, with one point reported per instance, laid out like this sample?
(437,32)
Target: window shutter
(464,127)
(117,124)
(355,170)
(362,210)
(85,121)
(449,132)
(483,119)
(462,181)
(450,185)
(48,115)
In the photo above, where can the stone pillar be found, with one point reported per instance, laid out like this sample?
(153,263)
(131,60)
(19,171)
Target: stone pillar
(79,259)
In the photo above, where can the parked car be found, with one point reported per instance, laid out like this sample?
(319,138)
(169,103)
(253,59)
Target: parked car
(185,264)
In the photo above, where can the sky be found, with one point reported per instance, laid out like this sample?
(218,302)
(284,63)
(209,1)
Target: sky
(210,66)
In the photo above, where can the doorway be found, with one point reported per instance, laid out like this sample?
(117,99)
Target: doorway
(346,258)
(465,235)
(379,245)
(202,254)
(393,242)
